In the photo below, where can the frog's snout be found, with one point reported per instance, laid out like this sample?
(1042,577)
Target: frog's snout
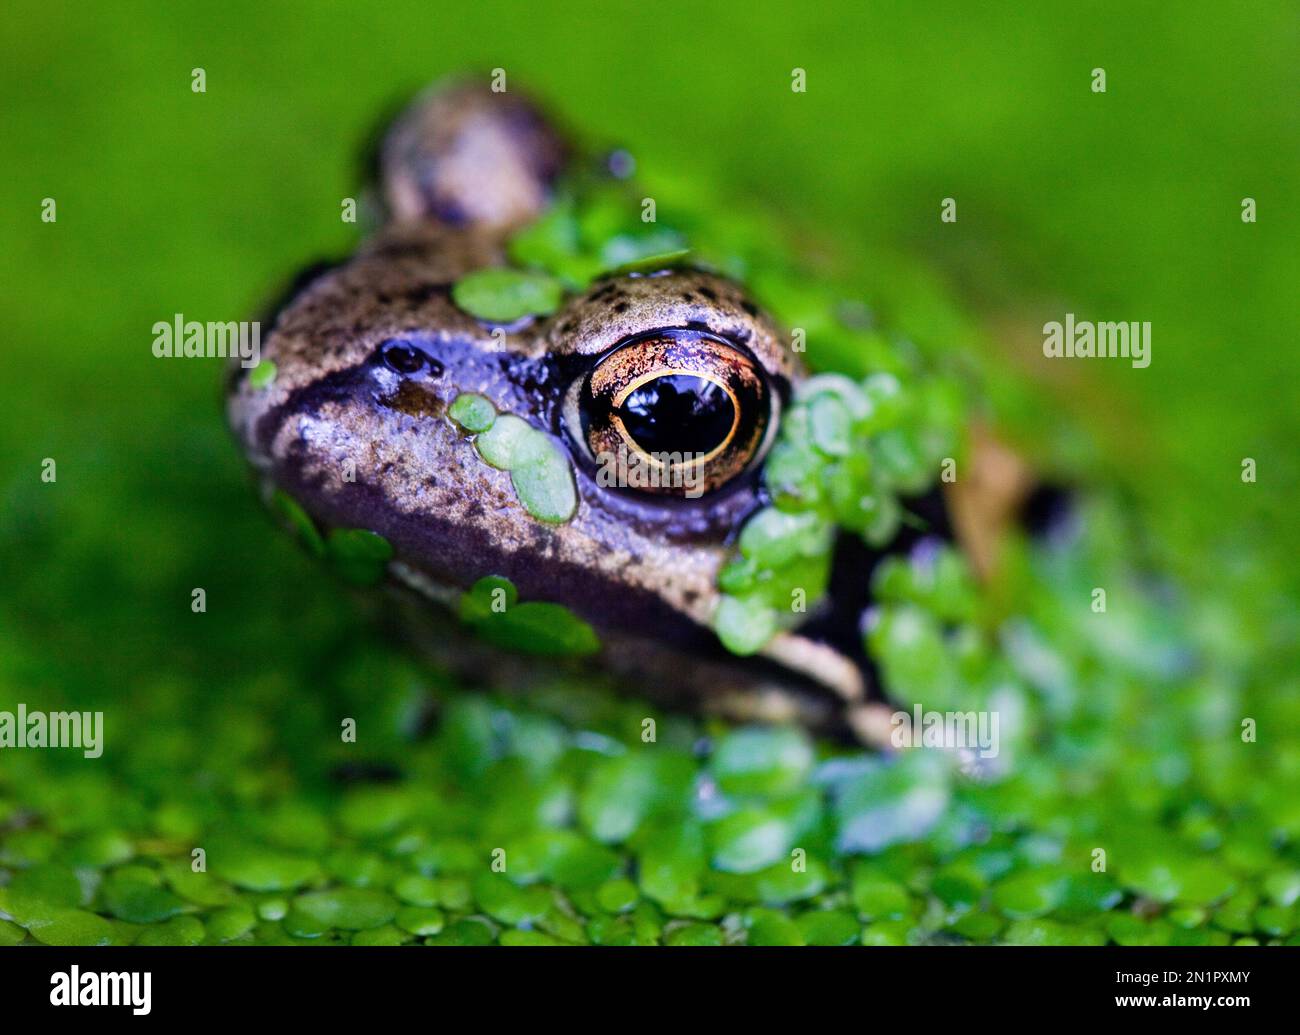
(465,156)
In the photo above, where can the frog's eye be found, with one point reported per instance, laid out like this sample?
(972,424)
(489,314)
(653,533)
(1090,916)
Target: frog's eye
(679,412)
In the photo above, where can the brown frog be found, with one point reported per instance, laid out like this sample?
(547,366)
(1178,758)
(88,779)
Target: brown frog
(676,367)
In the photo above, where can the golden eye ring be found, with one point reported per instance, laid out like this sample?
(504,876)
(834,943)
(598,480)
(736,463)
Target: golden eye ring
(688,406)
(629,391)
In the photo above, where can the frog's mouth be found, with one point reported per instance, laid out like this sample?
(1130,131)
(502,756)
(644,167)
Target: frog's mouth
(819,675)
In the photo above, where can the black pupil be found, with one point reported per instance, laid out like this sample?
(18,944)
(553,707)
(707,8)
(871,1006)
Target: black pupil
(678,413)
(403,358)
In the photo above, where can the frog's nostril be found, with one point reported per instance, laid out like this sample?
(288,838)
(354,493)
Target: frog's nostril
(402,357)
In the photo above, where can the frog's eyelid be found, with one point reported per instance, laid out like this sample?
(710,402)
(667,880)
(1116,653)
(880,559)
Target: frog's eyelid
(620,306)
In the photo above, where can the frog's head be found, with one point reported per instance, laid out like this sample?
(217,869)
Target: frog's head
(602,457)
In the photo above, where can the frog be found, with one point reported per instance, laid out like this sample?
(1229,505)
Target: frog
(392,402)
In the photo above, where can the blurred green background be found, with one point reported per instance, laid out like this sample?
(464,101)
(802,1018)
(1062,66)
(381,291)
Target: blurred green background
(1121,206)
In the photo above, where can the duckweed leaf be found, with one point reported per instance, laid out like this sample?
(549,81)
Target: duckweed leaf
(139,901)
(471,931)
(617,896)
(386,934)
(181,930)
(421,920)
(1030,894)
(359,555)
(1048,932)
(830,424)
(502,900)
(878,897)
(473,412)
(291,512)
(773,537)
(263,375)
(370,812)
(230,923)
(768,927)
(694,934)
(891,803)
(538,627)
(11,933)
(498,444)
(784,883)
(622,793)
(828,927)
(501,295)
(200,888)
(490,595)
(535,938)
(1283,887)
(648,262)
(262,870)
(70,927)
(744,624)
(51,883)
(417,890)
(751,839)
(543,478)
(890,932)
(762,760)
(351,909)
(548,242)
(641,250)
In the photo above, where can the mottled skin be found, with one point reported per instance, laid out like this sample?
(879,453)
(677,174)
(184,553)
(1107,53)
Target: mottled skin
(641,569)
